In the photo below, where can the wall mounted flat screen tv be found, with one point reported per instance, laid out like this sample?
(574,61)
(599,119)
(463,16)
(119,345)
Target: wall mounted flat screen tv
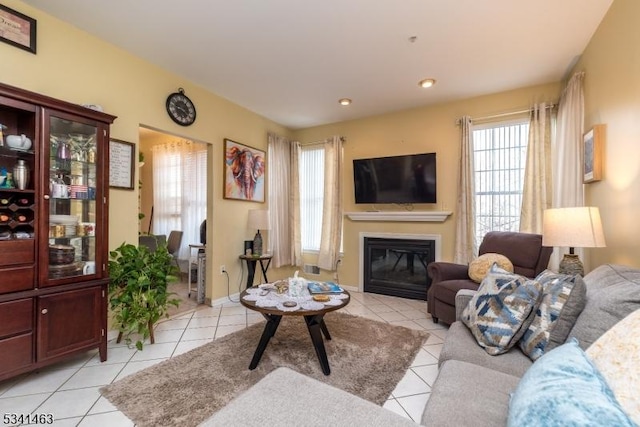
(396,179)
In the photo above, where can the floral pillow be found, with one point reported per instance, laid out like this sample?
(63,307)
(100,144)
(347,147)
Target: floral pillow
(563,298)
(502,309)
(617,355)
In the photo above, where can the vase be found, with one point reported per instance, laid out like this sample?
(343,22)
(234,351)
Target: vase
(21,174)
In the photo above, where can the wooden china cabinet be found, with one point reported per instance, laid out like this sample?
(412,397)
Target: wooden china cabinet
(53,230)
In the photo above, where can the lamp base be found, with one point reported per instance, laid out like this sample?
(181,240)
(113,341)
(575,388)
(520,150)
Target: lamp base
(257,244)
(571,265)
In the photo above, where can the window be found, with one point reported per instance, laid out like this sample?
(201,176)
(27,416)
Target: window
(311,196)
(500,152)
(179,190)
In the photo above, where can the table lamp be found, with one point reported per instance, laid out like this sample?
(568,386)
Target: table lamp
(574,228)
(259,220)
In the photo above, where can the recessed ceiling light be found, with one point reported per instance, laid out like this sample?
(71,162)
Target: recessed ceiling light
(427,83)
(344,101)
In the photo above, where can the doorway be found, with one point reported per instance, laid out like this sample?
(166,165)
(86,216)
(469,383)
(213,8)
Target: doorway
(173,196)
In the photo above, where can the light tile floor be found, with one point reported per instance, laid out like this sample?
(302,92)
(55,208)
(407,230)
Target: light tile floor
(70,390)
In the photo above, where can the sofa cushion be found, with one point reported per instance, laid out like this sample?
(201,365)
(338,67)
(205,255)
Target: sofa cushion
(287,398)
(563,298)
(616,354)
(564,388)
(468,395)
(462,346)
(613,292)
(501,310)
(479,267)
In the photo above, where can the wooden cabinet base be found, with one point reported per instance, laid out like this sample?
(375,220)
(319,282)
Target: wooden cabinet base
(16,355)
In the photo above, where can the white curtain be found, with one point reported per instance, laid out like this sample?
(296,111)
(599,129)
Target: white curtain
(536,192)
(332,205)
(568,189)
(280,233)
(294,205)
(180,190)
(465,245)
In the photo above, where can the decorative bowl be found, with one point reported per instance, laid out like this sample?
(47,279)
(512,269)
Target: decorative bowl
(20,142)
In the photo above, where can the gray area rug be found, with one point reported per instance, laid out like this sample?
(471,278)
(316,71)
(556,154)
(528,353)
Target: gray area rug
(367,358)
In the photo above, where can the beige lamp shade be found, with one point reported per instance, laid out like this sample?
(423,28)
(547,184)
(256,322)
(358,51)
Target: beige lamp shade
(573,227)
(258,219)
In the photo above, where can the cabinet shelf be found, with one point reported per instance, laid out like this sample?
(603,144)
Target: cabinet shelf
(17,191)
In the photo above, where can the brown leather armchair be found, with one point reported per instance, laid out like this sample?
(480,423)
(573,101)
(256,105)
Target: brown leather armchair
(524,250)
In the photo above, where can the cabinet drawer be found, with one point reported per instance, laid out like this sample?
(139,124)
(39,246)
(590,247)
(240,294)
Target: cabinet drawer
(16,317)
(16,353)
(16,279)
(17,252)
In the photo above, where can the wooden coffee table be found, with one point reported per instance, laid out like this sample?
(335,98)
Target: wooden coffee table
(313,318)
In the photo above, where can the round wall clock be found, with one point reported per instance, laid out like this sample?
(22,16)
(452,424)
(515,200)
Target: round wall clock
(180,108)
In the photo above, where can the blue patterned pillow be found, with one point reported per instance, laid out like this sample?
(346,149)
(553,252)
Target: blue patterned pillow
(563,388)
(501,310)
(563,298)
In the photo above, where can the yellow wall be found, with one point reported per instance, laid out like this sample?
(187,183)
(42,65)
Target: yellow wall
(77,67)
(421,130)
(611,63)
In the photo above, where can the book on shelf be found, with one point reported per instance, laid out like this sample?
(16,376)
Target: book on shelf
(324,288)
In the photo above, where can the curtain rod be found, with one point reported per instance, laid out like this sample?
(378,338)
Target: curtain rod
(342,138)
(511,113)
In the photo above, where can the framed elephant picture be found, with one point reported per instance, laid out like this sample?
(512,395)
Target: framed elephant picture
(244,172)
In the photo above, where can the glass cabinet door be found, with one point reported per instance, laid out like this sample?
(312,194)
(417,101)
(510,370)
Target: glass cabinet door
(73,212)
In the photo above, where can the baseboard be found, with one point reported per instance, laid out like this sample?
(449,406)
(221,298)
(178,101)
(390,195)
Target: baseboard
(212,303)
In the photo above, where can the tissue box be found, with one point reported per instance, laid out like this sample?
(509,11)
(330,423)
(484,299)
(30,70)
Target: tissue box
(297,286)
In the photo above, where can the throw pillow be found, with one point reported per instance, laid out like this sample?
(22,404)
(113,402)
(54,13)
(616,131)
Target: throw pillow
(479,267)
(617,355)
(564,388)
(563,298)
(501,310)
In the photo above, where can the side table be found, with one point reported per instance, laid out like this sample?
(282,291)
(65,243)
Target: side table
(252,261)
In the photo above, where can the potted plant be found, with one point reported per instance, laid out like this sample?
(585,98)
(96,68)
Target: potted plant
(138,296)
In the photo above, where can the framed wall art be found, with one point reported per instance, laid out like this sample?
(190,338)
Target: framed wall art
(592,146)
(244,170)
(121,164)
(17,29)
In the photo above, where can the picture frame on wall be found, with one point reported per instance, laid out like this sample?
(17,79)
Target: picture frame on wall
(121,164)
(17,29)
(244,172)
(592,146)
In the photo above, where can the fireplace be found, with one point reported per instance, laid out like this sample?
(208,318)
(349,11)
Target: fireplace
(396,265)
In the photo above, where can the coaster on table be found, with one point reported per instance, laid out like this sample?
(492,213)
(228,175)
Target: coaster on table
(340,296)
(254,291)
(251,297)
(282,307)
(333,302)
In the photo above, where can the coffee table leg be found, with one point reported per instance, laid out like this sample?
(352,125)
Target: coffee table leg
(269,330)
(325,331)
(314,325)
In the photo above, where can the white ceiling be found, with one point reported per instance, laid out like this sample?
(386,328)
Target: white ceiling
(291,60)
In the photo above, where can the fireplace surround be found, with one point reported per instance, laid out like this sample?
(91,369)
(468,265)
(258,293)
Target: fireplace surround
(396,264)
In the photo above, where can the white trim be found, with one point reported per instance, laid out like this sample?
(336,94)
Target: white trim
(224,300)
(411,216)
(437,238)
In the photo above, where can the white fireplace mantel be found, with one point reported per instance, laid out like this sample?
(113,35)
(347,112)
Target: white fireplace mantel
(397,216)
